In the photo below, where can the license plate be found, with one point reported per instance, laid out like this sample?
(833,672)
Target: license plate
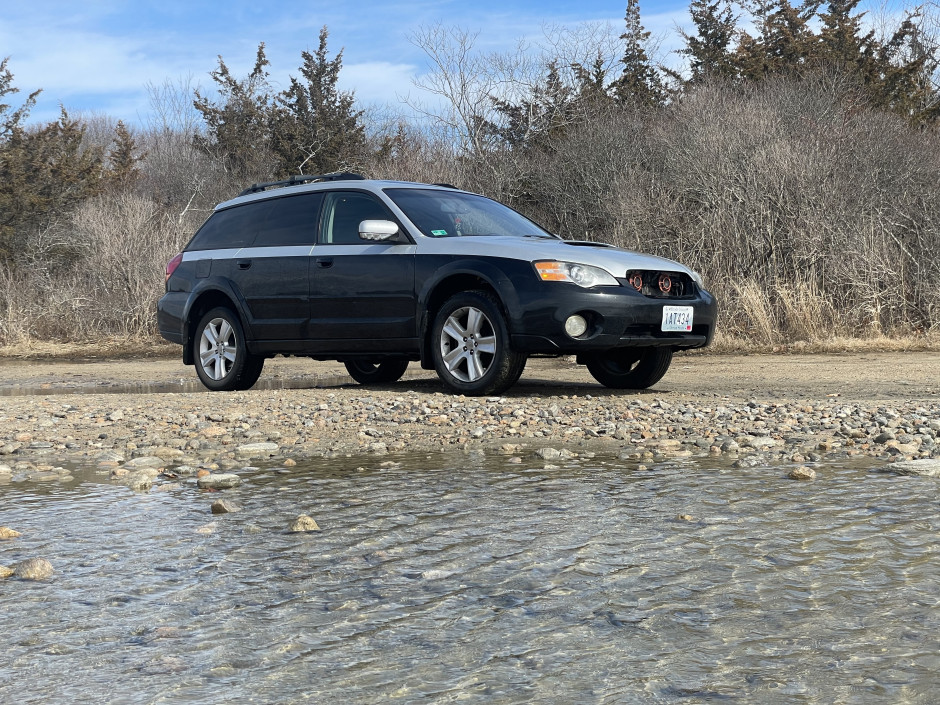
(678,318)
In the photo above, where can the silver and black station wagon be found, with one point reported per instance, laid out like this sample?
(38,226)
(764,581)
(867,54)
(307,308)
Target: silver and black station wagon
(378,274)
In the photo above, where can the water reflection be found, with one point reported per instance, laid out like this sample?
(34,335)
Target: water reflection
(452,576)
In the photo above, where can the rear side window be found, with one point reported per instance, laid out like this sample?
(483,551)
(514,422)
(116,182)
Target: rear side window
(231,228)
(290,221)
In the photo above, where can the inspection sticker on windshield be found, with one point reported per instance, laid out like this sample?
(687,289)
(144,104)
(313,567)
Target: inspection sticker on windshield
(677,318)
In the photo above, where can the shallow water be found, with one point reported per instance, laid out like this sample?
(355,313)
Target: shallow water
(454,577)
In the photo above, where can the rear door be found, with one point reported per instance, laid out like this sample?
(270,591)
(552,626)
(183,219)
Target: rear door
(273,273)
(362,292)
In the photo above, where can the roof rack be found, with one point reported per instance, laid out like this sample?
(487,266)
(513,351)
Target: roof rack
(302,179)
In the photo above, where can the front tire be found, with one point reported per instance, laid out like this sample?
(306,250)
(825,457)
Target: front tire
(630,368)
(470,346)
(385,372)
(223,362)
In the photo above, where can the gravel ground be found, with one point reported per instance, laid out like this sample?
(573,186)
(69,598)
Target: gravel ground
(142,420)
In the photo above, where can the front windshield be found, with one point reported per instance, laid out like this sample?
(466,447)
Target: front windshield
(455,214)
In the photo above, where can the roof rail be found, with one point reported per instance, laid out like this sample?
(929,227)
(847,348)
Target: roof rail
(302,179)
(443,185)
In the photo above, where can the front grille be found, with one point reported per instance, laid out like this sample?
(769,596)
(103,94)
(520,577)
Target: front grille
(661,285)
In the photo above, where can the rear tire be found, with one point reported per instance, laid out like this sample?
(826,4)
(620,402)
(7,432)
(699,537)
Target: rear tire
(385,372)
(630,368)
(470,346)
(223,362)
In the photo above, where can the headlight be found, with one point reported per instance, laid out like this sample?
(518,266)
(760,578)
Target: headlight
(580,274)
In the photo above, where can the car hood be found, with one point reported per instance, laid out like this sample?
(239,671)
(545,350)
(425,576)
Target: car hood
(615,260)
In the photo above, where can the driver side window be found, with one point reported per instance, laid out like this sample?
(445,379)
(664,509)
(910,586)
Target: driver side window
(342,214)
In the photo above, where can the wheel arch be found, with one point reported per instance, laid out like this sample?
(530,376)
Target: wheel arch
(453,282)
(201,302)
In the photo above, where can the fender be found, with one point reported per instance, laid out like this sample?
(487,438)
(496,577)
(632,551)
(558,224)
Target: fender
(222,285)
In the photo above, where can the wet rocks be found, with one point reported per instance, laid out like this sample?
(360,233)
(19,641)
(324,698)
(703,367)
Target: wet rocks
(34,569)
(802,473)
(8,533)
(257,449)
(218,481)
(6,572)
(923,468)
(303,523)
(225,506)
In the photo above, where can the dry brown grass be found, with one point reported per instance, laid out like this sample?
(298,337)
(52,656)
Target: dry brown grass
(110,348)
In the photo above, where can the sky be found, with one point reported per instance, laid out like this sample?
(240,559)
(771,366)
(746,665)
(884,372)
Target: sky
(99,56)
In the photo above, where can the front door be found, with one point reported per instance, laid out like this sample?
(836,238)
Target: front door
(362,292)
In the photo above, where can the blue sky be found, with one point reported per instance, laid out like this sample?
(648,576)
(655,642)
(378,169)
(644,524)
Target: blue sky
(99,56)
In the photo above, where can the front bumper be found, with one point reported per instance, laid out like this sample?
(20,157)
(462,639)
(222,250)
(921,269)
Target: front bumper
(618,317)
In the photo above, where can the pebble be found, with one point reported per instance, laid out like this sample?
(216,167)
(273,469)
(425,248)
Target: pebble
(187,430)
(225,506)
(802,473)
(304,523)
(8,533)
(34,569)
(6,572)
(218,481)
(925,468)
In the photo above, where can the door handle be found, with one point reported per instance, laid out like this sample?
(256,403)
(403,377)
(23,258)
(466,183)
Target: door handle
(243,263)
(324,262)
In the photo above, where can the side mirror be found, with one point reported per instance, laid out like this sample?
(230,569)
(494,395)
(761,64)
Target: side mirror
(378,230)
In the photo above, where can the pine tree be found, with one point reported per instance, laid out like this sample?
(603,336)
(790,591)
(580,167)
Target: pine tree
(784,42)
(316,128)
(238,122)
(639,82)
(44,173)
(709,49)
(124,157)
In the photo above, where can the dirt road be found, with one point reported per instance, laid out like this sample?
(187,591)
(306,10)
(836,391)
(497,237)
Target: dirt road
(852,376)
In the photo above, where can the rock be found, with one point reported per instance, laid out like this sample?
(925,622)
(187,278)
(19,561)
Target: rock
(255,449)
(5,572)
(225,506)
(884,437)
(927,467)
(138,481)
(304,523)
(5,469)
(289,463)
(34,569)
(8,533)
(218,481)
(802,473)
(548,453)
(144,461)
(685,517)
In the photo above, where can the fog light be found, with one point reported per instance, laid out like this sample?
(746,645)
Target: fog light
(576,326)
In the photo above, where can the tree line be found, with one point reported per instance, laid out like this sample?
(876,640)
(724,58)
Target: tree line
(793,160)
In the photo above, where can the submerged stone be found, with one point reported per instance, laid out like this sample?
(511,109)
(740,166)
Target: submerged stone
(927,467)
(34,569)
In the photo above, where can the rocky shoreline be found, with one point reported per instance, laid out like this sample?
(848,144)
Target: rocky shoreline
(138,438)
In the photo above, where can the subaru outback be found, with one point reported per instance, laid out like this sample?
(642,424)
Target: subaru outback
(379,274)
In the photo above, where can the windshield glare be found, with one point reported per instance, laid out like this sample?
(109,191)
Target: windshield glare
(455,214)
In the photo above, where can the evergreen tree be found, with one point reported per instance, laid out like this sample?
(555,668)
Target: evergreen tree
(784,42)
(315,128)
(708,50)
(44,173)
(639,82)
(123,157)
(238,122)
